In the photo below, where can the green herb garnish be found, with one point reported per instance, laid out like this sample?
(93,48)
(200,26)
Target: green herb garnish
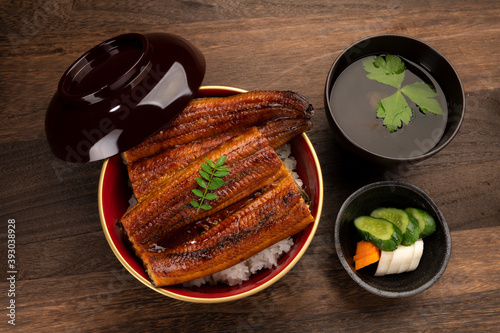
(394,109)
(210,180)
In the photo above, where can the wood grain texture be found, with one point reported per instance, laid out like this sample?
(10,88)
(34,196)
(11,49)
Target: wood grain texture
(69,279)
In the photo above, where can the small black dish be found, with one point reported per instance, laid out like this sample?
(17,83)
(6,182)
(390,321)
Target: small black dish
(437,247)
(432,62)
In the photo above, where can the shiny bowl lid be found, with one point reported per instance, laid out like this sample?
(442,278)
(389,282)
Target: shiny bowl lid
(120,93)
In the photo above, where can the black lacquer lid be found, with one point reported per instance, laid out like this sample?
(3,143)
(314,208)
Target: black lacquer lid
(121,92)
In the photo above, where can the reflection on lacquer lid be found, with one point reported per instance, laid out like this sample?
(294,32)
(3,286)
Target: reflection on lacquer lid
(121,92)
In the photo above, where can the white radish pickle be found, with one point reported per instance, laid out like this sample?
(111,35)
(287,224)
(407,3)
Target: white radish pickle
(409,252)
(399,258)
(384,263)
(403,259)
(419,250)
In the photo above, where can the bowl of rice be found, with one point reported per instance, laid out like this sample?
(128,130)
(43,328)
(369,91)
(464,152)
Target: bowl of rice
(236,282)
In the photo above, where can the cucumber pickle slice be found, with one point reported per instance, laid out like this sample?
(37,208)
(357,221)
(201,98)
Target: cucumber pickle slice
(382,233)
(426,222)
(407,224)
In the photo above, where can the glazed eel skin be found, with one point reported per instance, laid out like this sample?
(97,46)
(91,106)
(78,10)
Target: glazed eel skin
(147,174)
(205,123)
(252,164)
(273,213)
(211,116)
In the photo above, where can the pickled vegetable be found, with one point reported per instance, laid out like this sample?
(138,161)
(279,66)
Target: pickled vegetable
(407,224)
(382,233)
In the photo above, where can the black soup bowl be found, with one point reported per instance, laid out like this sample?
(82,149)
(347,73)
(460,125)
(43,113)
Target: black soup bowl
(437,246)
(423,142)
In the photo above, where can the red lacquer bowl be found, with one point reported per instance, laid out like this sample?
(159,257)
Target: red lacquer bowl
(114,195)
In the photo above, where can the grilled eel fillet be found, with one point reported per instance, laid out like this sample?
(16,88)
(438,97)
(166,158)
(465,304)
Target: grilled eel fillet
(149,173)
(252,164)
(205,123)
(232,235)
(206,117)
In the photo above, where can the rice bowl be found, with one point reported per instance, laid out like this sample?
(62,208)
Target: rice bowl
(113,202)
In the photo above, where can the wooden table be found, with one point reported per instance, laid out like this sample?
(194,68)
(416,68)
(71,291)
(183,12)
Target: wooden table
(67,277)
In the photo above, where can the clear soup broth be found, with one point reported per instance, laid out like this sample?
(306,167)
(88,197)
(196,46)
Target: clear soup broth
(354,100)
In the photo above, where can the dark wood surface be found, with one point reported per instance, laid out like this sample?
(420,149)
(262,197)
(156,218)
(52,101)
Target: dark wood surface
(68,278)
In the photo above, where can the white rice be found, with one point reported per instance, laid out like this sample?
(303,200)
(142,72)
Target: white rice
(285,154)
(238,273)
(267,258)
